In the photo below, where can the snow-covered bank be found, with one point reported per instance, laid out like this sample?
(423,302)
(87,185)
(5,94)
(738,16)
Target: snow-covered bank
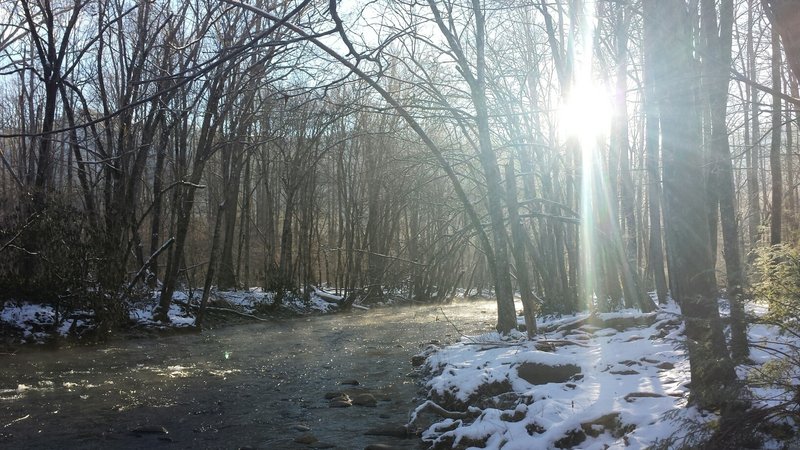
(607,381)
(26,322)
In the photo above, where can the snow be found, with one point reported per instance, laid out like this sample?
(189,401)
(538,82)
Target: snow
(631,391)
(35,323)
(638,375)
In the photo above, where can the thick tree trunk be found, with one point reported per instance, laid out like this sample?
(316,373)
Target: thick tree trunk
(713,378)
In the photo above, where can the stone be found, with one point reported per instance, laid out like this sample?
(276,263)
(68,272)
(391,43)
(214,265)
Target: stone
(321,445)
(365,400)
(624,372)
(610,423)
(307,438)
(150,429)
(382,447)
(418,360)
(666,366)
(342,401)
(301,427)
(332,395)
(350,382)
(631,397)
(537,373)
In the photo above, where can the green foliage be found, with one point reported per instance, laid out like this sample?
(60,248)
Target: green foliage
(53,256)
(49,253)
(778,283)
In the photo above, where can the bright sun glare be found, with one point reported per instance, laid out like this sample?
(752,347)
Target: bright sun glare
(586,113)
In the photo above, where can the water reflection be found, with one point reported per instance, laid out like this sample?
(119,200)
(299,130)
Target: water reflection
(250,385)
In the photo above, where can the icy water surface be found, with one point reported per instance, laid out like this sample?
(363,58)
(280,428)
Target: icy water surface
(254,386)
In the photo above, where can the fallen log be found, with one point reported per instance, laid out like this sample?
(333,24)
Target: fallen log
(220,309)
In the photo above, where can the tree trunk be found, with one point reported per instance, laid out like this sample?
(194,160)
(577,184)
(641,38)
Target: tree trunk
(754,145)
(776,214)
(717,62)
(518,248)
(675,75)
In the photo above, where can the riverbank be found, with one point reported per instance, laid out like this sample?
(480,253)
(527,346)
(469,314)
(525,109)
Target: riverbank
(602,381)
(24,323)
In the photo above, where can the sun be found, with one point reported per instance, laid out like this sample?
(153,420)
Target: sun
(585,113)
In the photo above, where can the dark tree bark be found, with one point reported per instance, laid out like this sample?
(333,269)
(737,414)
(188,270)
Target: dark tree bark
(675,77)
(717,61)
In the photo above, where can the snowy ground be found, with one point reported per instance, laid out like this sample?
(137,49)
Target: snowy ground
(39,323)
(615,380)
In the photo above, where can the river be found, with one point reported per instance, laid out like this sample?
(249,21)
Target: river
(257,385)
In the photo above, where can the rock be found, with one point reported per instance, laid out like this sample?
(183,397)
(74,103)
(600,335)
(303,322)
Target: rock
(624,372)
(666,366)
(572,439)
(301,427)
(332,395)
(515,416)
(321,445)
(418,360)
(537,373)
(607,423)
(631,397)
(382,447)
(365,400)
(342,401)
(349,382)
(150,429)
(307,438)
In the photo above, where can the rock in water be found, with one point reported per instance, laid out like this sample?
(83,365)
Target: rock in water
(150,429)
(365,400)
(342,401)
(350,382)
(307,438)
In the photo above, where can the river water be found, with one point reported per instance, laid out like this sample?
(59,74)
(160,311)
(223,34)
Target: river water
(256,385)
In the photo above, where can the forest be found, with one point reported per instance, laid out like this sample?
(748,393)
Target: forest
(574,156)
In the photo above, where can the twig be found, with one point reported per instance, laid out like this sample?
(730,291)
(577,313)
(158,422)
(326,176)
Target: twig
(30,220)
(19,419)
(455,327)
(150,259)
